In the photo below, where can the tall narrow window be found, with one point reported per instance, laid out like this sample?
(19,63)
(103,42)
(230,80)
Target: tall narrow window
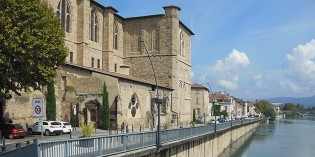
(71,57)
(181,44)
(115,35)
(63,12)
(98,63)
(92,62)
(115,67)
(94,26)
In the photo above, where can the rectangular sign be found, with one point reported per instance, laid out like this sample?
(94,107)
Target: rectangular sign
(74,110)
(40,121)
(38,107)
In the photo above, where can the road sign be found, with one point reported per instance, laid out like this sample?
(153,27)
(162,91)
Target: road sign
(40,121)
(74,110)
(38,107)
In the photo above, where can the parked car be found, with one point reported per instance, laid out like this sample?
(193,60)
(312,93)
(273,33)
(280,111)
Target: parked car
(13,131)
(66,127)
(215,122)
(49,127)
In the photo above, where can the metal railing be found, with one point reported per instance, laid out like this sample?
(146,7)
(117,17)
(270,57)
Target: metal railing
(114,144)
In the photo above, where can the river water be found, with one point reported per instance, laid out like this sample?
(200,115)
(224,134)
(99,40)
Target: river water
(284,138)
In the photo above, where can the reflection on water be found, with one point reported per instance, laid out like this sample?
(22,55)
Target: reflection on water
(283,138)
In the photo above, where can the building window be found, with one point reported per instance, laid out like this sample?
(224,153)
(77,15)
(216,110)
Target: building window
(64,14)
(92,62)
(71,57)
(134,105)
(197,101)
(93,26)
(115,67)
(98,63)
(181,44)
(115,36)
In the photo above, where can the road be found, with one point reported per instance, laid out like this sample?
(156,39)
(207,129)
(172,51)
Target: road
(11,143)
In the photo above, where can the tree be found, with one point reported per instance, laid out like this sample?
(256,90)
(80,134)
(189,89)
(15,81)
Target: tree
(106,113)
(31,46)
(266,109)
(51,103)
(194,115)
(216,110)
(289,107)
(224,113)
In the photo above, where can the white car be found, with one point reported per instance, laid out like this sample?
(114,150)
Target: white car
(49,127)
(66,127)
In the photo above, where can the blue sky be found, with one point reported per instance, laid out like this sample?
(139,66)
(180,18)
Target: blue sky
(253,49)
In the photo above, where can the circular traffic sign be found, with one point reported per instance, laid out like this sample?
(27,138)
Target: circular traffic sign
(37,109)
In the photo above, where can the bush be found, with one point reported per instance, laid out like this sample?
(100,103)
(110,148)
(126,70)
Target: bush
(86,130)
(192,123)
(166,125)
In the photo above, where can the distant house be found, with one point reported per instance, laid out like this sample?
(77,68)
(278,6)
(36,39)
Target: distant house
(200,102)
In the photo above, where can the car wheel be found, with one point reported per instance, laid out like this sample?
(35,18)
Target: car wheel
(47,132)
(30,131)
(11,136)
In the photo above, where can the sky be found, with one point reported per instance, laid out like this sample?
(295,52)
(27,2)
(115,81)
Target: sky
(252,49)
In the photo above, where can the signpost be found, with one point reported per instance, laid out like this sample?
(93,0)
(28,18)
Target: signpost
(38,110)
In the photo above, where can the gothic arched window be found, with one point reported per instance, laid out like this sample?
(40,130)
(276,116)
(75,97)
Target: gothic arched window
(93,26)
(115,35)
(181,44)
(64,14)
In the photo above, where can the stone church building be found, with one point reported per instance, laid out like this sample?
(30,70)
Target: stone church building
(105,47)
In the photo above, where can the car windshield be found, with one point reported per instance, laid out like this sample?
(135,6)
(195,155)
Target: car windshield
(66,123)
(17,126)
(55,123)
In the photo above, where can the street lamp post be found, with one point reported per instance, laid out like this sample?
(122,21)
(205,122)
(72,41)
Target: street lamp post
(231,118)
(158,101)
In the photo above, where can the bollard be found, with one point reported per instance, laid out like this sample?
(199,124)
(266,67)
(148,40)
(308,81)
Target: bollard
(70,134)
(18,145)
(140,128)
(131,127)
(127,130)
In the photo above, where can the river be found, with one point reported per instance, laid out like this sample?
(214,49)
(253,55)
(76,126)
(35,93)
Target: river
(284,138)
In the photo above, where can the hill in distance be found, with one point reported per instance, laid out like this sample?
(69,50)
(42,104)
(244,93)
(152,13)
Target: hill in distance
(305,101)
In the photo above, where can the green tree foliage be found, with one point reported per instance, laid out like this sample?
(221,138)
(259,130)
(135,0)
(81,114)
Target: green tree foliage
(50,102)
(194,114)
(72,117)
(289,107)
(224,113)
(31,46)
(266,109)
(106,113)
(216,109)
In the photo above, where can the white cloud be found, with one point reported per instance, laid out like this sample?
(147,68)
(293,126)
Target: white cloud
(300,65)
(234,61)
(228,84)
(257,78)
(288,85)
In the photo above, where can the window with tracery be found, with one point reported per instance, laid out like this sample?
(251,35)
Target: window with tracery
(134,105)
(93,26)
(64,14)
(115,36)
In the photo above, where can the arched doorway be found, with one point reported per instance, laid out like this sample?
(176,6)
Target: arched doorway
(92,113)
